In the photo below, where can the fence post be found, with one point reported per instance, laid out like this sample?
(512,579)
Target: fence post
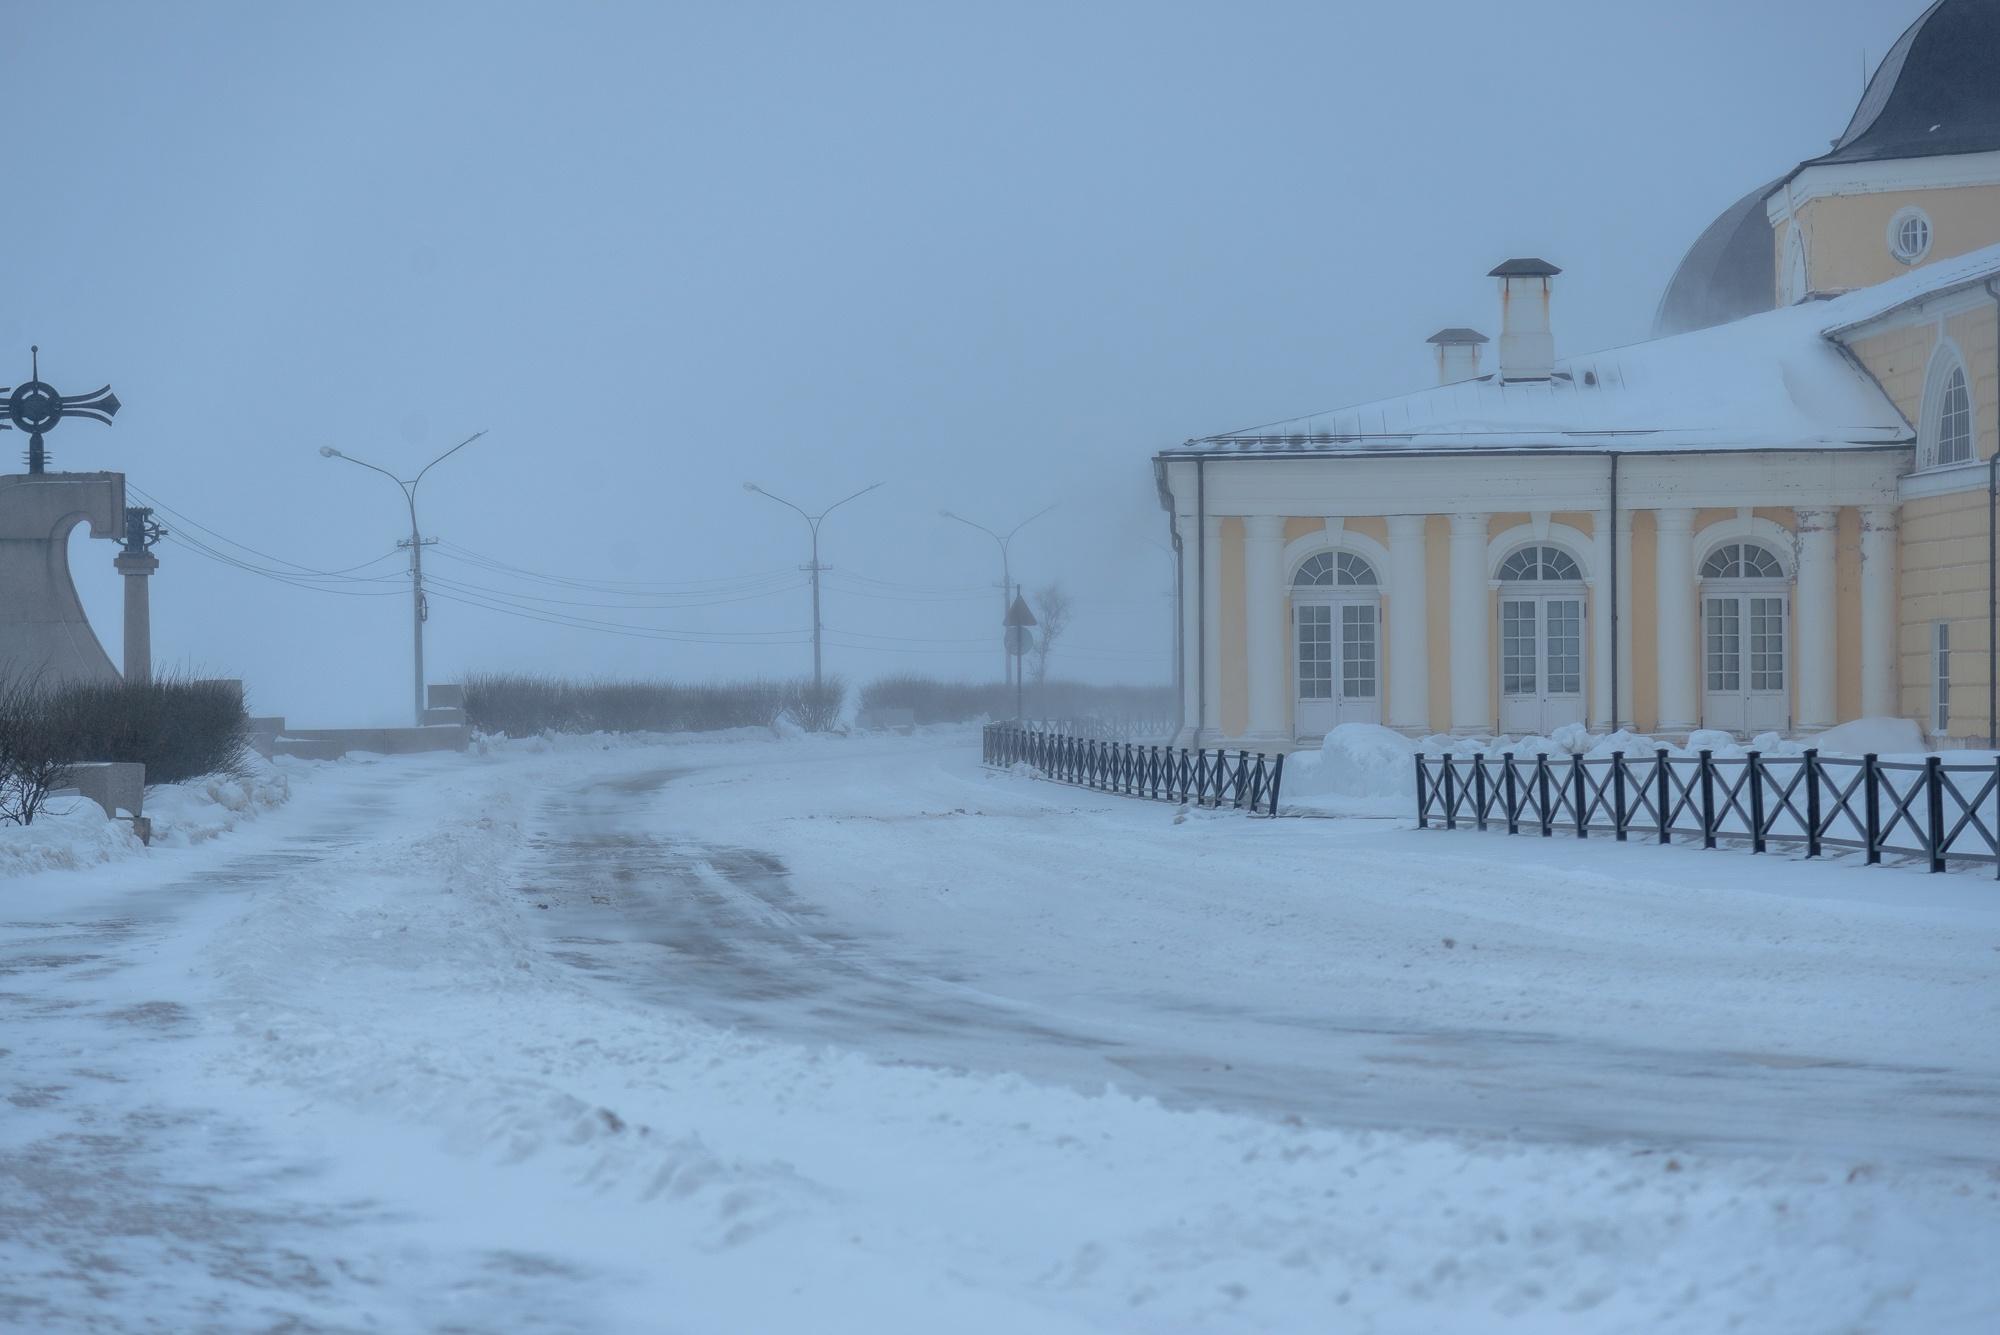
(1708,799)
(1542,789)
(1450,803)
(1934,808)
(1812,802)
(1479,791)
(1871,806)
(1423,797)
(1512,795)
(1755,762)
(1579,801)
(1660,783)
(1618,795)
(1277,777)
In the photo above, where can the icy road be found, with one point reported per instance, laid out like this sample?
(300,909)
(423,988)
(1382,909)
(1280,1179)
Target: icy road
(850,1035)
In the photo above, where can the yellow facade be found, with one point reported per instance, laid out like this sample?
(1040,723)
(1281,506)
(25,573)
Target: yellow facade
(1847,236)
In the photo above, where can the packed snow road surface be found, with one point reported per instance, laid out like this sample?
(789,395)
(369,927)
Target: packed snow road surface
(850,1035)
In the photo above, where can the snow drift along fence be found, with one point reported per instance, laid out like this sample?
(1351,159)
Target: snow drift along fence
(1926,809)
(1247,781)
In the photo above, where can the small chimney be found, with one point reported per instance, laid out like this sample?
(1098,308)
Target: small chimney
(1527,348)
(1457,354)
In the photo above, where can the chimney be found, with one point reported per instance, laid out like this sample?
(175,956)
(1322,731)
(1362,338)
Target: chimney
(1527,348)
(1457,354)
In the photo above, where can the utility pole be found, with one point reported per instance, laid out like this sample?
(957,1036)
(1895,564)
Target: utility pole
(419,608)
(812,524)
(1009,661)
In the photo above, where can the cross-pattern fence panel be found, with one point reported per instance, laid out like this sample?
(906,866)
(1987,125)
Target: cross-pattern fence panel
(1926,809)
(1245,780)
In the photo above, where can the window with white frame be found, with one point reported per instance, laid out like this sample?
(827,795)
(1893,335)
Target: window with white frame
(1946,434)
(1343,569)
(1940,678)
(1910,235)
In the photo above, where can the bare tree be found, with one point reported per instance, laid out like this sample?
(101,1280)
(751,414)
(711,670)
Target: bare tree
(33,763)
(1052,610)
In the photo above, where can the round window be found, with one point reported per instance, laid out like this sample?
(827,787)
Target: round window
(1910,235)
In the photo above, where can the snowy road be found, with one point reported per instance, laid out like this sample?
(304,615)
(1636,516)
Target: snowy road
(816,1034)
(1114,965)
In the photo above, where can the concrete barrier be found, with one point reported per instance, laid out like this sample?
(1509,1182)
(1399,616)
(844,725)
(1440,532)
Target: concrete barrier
(332,743)
(119,786)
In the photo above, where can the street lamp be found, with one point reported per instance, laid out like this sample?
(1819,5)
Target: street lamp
(812,523)
(416,544)
(1007,667)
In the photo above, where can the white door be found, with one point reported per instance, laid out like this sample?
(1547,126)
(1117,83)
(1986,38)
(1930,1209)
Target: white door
(1336,665)
(1745,686)
(1541,662)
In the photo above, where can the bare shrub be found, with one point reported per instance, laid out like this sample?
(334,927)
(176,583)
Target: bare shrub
(178,727)
(523,705)
(933,700)
(32,764)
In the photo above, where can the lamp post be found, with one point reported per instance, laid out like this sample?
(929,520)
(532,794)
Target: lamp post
(416,545)
(1007,663)
(812,525)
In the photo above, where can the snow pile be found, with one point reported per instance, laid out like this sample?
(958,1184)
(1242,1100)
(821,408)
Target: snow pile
(70,832)
(188,813)
(1357,763)
(1872,736)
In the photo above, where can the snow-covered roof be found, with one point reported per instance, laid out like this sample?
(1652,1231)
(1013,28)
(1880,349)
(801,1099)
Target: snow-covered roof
(1777,380)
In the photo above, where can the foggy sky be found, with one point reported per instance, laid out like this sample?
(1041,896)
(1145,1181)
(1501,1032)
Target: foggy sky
(994,256)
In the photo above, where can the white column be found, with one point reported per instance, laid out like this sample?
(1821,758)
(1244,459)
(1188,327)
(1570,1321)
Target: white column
(1211,617)
(1878,611)
(1678,629)
(1186,526)
(1264,626)
(1622,543)
(1813,612)
(1600,620)
(1471,629)
(1409,627)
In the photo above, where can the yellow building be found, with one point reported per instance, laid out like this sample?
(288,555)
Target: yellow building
(1774,516)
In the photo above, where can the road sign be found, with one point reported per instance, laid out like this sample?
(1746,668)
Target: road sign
(1018,614)
(1020,640)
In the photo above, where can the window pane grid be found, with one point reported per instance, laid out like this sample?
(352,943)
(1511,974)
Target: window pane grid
(1357,651)
(1955,420)
(1517,647)
(1725,645)
(1315,652)
(1767,644)
(1565,646)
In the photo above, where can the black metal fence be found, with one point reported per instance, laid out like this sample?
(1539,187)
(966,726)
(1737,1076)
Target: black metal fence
(1245,780)
(1926,809)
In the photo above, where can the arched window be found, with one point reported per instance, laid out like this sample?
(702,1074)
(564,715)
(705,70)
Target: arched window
(1954,420)
(1343,569)
(1945,430)
(1742,560)
(1540,563)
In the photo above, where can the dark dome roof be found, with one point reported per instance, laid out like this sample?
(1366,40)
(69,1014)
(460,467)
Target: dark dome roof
(1937,91)
(1728,273)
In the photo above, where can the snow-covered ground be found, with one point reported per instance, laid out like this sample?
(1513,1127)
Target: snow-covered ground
(849,1034)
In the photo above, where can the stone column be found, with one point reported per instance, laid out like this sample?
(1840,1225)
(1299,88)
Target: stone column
(1211,640)
(1409,627)
(1878,611)
(1678,630)
(1471,628)
(1264,626)
(1813,612)
(1600,621)
(1190,625)
(138,568)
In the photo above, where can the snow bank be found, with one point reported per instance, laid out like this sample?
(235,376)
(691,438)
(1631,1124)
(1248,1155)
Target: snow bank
(70,832)
(1872,736)
(188,813)
(1361,768)
(75,832)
